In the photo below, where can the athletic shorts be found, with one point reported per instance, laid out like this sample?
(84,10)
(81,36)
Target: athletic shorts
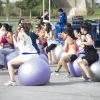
(91,58)
(72,57)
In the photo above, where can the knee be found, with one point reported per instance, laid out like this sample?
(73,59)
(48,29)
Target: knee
(79,62)
(9,63)
(60,61)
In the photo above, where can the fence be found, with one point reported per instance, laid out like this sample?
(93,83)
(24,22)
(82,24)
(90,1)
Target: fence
(14,23)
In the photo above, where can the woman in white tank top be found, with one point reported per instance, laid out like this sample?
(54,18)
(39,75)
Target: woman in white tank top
(51,42)
(27,51)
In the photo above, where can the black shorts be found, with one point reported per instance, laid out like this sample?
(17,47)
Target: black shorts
(91,58)
(72,57)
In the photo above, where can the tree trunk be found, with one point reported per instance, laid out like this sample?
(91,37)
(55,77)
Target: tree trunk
(30,15)
(20,13)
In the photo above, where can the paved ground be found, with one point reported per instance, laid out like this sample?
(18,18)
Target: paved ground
(59,88)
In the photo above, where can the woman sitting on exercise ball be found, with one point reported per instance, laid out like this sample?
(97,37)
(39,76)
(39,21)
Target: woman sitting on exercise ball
(91,54)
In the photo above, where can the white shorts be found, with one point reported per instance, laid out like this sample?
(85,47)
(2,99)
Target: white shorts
(27,57)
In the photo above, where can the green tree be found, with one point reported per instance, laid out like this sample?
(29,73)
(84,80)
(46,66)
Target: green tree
(27,5)
(7,7)
(20,5)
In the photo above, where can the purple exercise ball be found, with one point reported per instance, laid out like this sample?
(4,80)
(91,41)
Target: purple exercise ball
(43,57)
(74,68)
(34,73)
(11,56)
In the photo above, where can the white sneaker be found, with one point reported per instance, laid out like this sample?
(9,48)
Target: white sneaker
(50,63)
(3,68)
(55,73)
(10,83)
(81,78)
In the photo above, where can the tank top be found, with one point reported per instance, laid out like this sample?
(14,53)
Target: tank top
(89,49)
(28,48)
(5,43)
(50,41)
(71,49)
(40,34)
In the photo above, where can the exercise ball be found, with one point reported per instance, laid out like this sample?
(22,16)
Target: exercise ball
(43,57)
(11,56)
(95,71)
(34,72)
(56,51)
(71,69)
(74,68)
(62,54)
(40,48)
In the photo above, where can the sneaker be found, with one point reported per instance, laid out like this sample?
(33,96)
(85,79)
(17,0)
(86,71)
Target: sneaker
(81,78)
(89,80)
(3,68)
(10,83)
(50,63)
(55,73)
(16,73)
(68,75)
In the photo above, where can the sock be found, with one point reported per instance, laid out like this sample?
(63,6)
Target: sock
(13,81)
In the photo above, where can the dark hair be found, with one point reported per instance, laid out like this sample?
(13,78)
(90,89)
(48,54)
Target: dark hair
(46,10)
(0,25)
(86,26)
(39,18)
(78,30)
(38,25)
(26,27)
(60,10)
(68,25)
(42,23)
(20,20)
(69,32)
(48,27)
(7,27)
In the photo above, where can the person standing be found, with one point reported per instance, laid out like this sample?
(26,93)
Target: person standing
(63,18)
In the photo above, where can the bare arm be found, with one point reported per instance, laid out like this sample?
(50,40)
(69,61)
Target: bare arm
(23,39)
(51,35)
(9,37)
(65,46)
(41,44)
(89,40)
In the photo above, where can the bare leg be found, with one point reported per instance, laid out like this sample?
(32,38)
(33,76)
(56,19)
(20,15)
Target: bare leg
(62,63)
(59,66)
(49,56)
(11,64)
(83,65)
(79,62)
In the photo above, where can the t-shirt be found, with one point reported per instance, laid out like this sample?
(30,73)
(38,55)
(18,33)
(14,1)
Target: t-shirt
(25,48)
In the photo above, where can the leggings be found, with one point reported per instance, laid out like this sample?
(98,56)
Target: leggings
(51,47)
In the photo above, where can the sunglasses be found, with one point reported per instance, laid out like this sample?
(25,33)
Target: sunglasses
(36,27)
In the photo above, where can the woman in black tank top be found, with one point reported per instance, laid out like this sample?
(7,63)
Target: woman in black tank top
(91,54)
